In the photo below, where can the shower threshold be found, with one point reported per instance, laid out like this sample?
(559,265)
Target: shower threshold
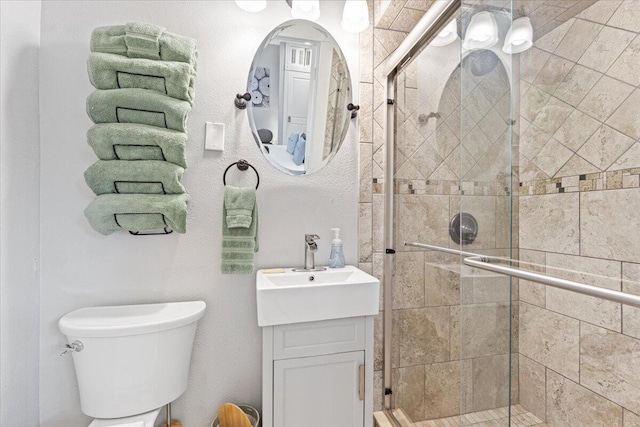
(520,417)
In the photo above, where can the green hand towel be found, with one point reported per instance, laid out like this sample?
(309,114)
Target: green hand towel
(138,212)
(175,79)
(239,244)
(143,40)
(239,202)
(130,141)
(137,106)
(172,47)
(131,177)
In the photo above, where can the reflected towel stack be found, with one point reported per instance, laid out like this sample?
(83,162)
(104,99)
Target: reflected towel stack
(145,87)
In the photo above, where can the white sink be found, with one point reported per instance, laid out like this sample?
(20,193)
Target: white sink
(294,297)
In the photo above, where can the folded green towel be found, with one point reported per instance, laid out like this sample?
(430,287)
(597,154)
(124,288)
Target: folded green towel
(239,202)
(138,212)
(134,177)
(172,47)
(138,106)
(143,40)
(131,141)
(239,244)
(175,79)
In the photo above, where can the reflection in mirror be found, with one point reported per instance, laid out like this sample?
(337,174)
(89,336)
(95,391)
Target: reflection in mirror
(300,88)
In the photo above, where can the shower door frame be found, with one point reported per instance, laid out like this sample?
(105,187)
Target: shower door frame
(425,30)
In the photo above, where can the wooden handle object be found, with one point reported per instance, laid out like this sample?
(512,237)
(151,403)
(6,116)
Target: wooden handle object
(229,415)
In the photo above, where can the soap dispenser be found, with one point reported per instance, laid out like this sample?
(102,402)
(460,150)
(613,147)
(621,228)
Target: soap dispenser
(336,259)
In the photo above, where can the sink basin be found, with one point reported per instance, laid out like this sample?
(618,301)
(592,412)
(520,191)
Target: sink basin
(294,297)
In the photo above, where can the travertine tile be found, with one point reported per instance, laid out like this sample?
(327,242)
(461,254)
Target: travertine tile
(577,84)
(550,223)
(424,335)
(531,62)
(631,284)
(408,280)
(552,157)
(578,38)
(627,16)
(366,55)
(531,292)
(605,97)
(365,118)
(576,166)
(364,233)
(477,104)
(626,118)
(630,159)
(406,19)
(445,141)
(378,223)
(483,208)
(553,73)
(627,66)
(605,216)
(442,390)
(592,271)
(550,41)
(532,141)
(609,365)
(605,146)
(378,385)
(366,181)
(423,219)
(631,419)
(378,342)
(532,103)
(550,339)
(532,379)
(493,125)
(576,130)
(441,285)
(606,48)
(490,382)
(476,143)
(481,330)
(409,390)
(600,11)
(569,404)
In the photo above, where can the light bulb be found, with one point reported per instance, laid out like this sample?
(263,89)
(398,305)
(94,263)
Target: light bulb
(448,35)
(305,9)
(482,32)
(251,5)
(355,16)
(519,37)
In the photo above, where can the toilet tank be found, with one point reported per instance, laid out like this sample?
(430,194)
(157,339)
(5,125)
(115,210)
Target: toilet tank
(135,358)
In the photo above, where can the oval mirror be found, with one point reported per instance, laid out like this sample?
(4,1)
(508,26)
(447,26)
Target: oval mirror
(300,88)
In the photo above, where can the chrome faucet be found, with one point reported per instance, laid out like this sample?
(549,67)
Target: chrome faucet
(310,248)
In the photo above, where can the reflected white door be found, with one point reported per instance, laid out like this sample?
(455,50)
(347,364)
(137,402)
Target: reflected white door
(296,108)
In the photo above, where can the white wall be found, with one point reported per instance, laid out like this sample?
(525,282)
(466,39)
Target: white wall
(19,211)
(82,268)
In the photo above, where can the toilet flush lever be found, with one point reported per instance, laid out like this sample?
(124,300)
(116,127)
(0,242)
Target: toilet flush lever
(76,346)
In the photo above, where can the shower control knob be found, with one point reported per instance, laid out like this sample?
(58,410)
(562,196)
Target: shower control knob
(76,346)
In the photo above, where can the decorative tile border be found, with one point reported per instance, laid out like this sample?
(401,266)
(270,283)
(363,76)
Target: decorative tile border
(444,187)
(611,180)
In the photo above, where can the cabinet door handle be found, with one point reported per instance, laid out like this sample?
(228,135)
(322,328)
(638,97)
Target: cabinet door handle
(361,387)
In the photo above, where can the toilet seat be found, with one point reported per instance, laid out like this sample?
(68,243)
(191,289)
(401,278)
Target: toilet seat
(147,419)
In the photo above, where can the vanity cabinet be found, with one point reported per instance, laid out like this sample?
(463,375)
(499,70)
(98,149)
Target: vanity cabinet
(318,374)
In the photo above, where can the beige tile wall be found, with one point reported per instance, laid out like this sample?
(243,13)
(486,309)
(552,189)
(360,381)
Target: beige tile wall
(578,204)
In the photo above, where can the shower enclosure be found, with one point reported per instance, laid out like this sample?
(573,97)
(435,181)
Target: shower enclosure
(511,191)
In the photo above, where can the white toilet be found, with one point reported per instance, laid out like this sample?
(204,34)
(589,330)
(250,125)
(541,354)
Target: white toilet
(131,360)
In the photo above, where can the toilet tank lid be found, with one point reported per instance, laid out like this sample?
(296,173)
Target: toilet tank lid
(125,320)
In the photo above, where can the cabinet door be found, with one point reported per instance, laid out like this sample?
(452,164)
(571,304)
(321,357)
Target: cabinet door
(321,391)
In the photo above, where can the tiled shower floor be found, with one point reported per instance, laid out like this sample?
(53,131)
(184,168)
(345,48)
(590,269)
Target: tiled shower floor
(520,417)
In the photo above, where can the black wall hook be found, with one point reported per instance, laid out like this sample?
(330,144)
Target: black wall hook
(241,100)
(354,110)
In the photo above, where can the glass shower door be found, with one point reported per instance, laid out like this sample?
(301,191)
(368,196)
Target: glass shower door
(452,324)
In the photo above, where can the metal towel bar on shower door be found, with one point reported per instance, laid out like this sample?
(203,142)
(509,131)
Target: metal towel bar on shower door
(489,263)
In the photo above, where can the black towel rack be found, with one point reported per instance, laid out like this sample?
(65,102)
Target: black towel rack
(243,165)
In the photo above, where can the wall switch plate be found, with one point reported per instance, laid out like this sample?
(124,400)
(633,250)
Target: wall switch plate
(214,136)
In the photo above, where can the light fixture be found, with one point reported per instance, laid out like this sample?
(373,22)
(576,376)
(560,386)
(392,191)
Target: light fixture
(448,35)
(355,16)
(482,32)
(251,5)
(519,37)
(305,9)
